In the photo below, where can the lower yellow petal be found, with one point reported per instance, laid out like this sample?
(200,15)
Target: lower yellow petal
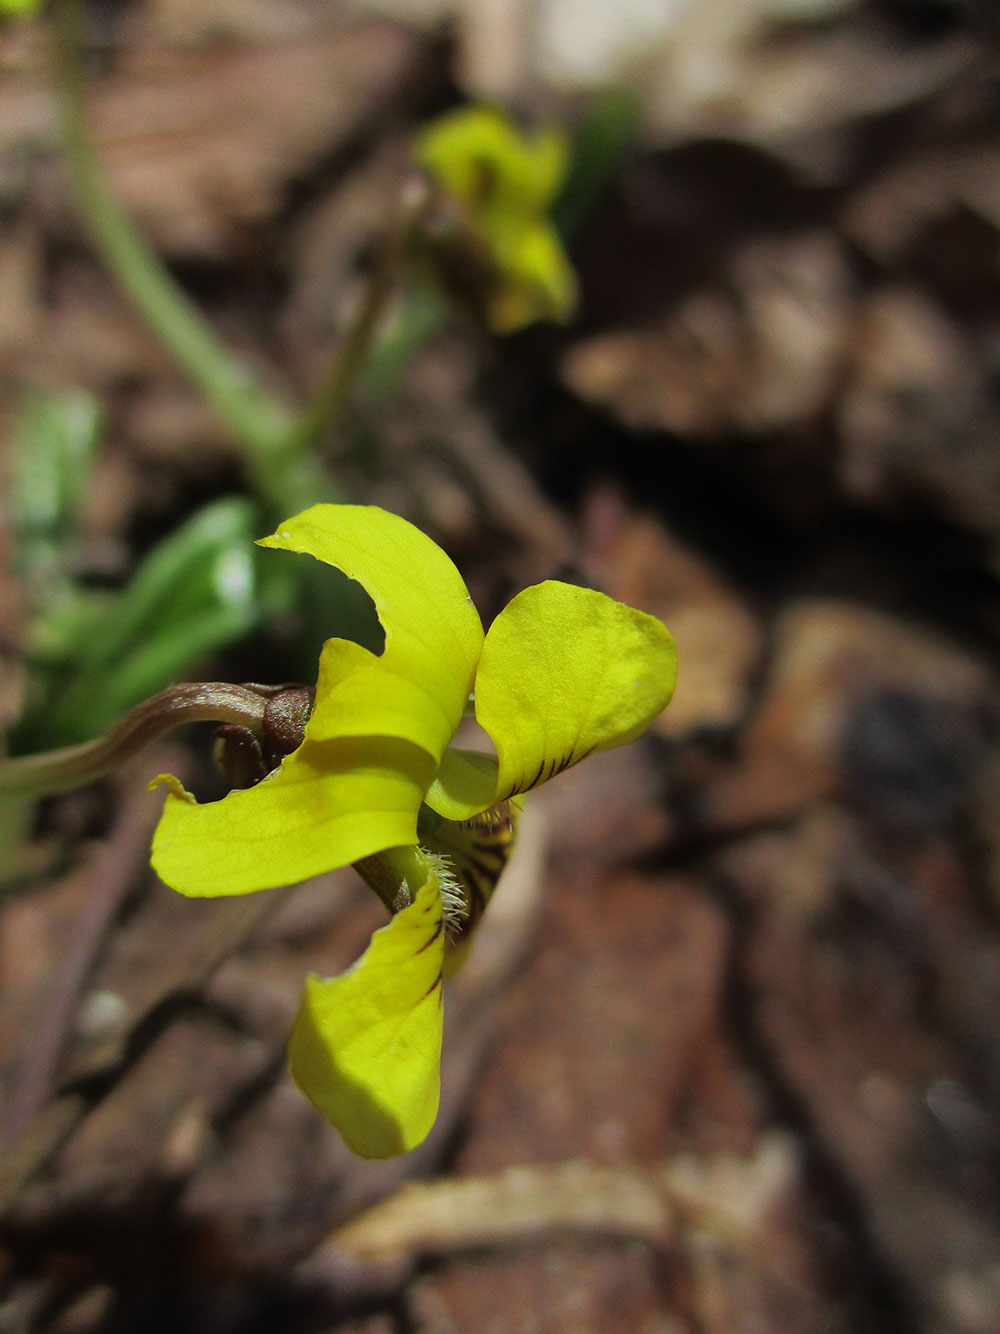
(366,1046)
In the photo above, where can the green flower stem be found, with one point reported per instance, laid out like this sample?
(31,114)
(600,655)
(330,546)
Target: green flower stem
(261,423)
(333,393)
(279,446)
(72,766)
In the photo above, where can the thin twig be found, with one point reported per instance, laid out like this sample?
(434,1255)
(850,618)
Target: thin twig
(106,880)
(61,1117)
(724,1196)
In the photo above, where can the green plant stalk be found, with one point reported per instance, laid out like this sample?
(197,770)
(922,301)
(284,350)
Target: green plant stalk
(261,423)
(279,445)
(331,397)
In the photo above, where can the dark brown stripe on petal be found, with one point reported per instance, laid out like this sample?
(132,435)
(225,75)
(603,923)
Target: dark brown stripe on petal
(474,879)
(489,851)
(431,939)
(565,762)
(435,984)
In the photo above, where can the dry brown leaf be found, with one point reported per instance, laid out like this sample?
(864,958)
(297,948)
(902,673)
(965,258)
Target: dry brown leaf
(198,143)
(888,215)
(830,657)
(764,355)
(917,418)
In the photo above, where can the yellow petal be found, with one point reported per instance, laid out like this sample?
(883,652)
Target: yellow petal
(466,783)
(564,671)
(330,803)
(480,156)
(366,1046)
(19,8)
(535,280)
(361,694)
(417,688)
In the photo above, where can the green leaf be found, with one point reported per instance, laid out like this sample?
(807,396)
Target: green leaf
(194,593)
(600,142)
(205,565)
(55,439)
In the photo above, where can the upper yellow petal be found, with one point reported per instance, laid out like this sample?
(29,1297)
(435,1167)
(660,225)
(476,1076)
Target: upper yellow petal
(366,1046)
(564,671)
(417,688)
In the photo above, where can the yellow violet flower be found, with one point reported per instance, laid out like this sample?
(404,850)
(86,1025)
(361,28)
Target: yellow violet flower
(563,671)
(505,182)
(19,8)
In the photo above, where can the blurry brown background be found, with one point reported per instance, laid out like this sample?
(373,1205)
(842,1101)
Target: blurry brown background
(726,1057)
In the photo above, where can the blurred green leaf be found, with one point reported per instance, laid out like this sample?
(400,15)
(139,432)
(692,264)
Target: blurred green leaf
(207,563)
(151,666)
(19,9)
(69,616)
(604,133)
(196,592)
(54,443)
